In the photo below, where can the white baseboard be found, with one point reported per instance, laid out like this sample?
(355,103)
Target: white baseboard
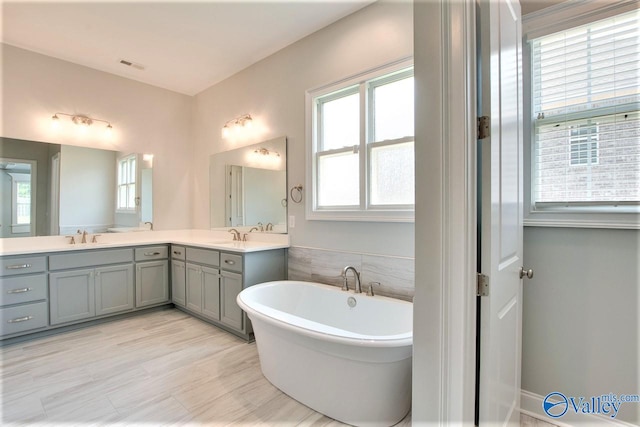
(531,404)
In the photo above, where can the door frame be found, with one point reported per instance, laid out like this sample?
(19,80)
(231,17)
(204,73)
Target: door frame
(444,364)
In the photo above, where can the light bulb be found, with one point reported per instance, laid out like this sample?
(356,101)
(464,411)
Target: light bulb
(109,131)
(55,121)
(248,123)
(225,131)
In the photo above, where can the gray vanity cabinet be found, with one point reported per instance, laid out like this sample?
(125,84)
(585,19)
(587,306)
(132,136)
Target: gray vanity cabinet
(85,293)
(214,279)
(178,276)
(104,286)
(152,277)
(72,296)
(203,282)
(23,294)
(114,289)
(230,287)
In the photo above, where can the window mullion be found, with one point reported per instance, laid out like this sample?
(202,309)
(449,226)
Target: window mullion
(364,137)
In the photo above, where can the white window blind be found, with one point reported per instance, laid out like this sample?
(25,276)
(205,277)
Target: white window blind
(586,98)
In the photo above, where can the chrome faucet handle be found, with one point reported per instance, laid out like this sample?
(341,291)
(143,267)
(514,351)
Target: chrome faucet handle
(72,241)
(244,237)
(261,227)
(370,291)
(94,239)
(345,283)
(84,236)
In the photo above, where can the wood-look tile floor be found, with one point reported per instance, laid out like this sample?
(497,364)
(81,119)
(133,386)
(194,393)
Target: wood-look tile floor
(158,368)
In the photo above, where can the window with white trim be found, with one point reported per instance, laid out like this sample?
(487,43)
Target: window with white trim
(126,188)
(586,108)
(362,147)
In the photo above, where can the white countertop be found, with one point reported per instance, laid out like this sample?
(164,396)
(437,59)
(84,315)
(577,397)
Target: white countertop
(210,239)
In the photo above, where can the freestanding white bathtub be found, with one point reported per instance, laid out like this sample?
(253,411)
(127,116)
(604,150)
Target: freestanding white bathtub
(343,354)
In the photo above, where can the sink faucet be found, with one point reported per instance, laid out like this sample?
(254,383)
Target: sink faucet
(236,234)
(252,229)
(269,227)
(150,225)
(261,227)
(345,287)
(84,236)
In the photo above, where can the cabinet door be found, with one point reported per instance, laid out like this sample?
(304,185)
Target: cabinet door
(178,283)
(72,296)
(114,289)
(152,283)
(194,287)
(230,313)
(211,293)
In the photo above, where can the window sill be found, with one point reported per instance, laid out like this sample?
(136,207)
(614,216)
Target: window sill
(362,216)
(630,221)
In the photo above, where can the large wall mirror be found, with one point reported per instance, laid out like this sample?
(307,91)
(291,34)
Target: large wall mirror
(248,187)
(51,189)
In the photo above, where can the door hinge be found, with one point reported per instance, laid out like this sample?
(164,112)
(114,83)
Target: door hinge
(482,285)
(484,125)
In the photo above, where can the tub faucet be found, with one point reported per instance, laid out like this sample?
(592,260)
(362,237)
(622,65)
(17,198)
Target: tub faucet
(345,287)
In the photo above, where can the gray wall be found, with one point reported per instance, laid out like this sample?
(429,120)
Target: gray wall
(580,313)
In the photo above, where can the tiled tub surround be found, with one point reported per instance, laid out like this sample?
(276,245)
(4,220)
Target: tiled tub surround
(395,274)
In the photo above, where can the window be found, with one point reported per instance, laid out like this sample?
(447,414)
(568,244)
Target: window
(20,202)
(362,147)
(126,198)
(586,103)
(584,144)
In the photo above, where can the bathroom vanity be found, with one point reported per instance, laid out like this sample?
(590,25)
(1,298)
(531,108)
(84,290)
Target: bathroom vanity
(49,284)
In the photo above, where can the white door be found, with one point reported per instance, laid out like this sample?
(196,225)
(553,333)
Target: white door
(501,216)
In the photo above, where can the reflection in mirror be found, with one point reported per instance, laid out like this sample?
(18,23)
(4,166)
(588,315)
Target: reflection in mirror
(18,194)
(248,187)
(74,188)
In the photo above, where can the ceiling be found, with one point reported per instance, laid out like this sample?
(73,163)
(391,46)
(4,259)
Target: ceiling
(185,47)
(181,46)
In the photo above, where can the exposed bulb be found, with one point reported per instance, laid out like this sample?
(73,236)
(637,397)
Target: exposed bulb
(248,123)
(108,131)
(55,121)
(225,131)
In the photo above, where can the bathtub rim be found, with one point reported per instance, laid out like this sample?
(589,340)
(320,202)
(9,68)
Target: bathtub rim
(400,340)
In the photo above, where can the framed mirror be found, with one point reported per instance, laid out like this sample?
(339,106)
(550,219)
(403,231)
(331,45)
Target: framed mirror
(248,187)
(66,188)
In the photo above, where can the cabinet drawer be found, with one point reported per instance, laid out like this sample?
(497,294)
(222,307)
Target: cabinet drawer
(20,289)
(23,318)
(90,258)
(203,256)
(178,252)
(151,252)
(10,266)
(231,262)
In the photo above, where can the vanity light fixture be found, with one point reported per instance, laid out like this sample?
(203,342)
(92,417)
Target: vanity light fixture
(80,120)
(266,152)
(237,124)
